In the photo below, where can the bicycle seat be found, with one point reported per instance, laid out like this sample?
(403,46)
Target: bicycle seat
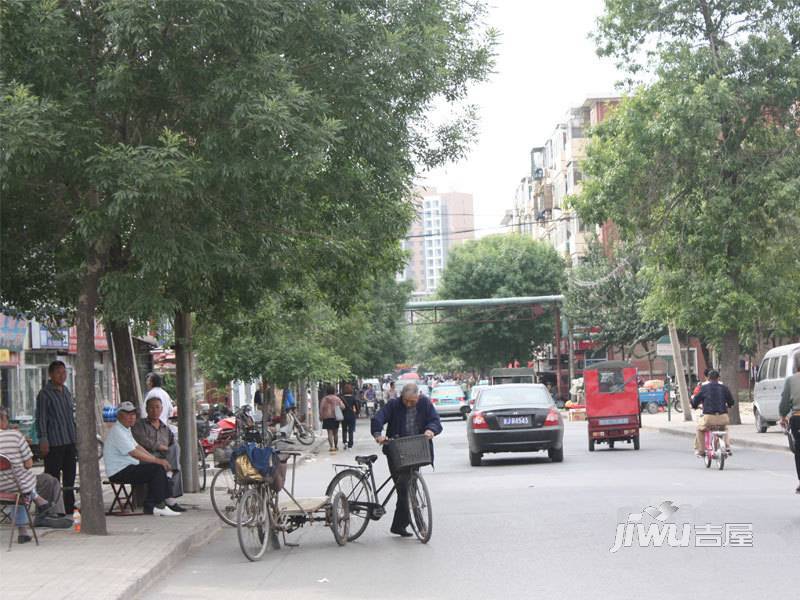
(366,460)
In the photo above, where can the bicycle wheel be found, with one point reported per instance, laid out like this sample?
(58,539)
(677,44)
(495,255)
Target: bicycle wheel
(253,522)
(419,504)
(340,518)
(202,466)
(225,493)
(720,453)
(305,435)
(357,490)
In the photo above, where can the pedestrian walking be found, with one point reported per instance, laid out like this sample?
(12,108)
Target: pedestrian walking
(328,413)
(55,422)
(350,413)
(411,414)
(789,410)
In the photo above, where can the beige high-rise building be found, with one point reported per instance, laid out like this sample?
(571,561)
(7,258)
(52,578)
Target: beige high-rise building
(444,220)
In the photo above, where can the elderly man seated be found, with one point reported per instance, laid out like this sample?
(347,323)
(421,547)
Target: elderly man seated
(127,462)
(158,439)
(15,448)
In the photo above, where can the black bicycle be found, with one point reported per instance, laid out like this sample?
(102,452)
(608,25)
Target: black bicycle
(357,483)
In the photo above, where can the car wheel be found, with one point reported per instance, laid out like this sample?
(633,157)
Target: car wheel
(556,454)
(591,445)
(475,458)
(761,425)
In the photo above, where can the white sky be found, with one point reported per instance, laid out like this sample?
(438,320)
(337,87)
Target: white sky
(545,64)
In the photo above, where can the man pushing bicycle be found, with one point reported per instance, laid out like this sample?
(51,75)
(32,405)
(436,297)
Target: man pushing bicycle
(410,414)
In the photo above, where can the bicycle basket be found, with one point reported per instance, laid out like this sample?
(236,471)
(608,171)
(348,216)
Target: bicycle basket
(222,456)
(409,452)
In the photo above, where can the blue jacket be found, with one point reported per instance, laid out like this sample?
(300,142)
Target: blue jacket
(393,415)
(715,398)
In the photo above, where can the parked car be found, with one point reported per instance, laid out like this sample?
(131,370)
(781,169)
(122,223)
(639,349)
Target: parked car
(515,418)
(775,368)
(449,401)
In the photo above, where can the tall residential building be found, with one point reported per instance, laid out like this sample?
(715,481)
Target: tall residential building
(443,221)
(540,200)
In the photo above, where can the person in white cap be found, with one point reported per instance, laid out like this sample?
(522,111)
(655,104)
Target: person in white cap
(127,462)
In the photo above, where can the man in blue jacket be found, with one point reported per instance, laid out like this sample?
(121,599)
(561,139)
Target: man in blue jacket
(410,414)
(716,398)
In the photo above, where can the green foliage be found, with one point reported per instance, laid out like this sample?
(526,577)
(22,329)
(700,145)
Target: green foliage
(496,267)
(609,292)
(701,168)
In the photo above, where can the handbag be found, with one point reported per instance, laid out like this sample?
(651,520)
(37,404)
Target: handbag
(338,412)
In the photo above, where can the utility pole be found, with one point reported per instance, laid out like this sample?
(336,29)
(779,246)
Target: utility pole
(679,374)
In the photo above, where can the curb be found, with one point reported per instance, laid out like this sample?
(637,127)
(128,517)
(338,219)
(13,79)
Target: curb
(738,441)
(139,587)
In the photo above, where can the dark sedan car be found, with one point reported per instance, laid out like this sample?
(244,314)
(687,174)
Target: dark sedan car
(515,418)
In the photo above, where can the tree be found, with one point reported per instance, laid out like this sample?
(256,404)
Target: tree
(608,291)
(495,267)
(188,156)
(701,167)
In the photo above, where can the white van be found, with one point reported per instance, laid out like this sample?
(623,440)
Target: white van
(778,364)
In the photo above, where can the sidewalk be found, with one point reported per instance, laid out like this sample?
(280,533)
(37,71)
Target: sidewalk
(741,435)
(137,552)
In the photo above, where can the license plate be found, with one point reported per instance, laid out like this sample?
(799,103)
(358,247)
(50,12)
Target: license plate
(516,421)
(448,401)
(613,421)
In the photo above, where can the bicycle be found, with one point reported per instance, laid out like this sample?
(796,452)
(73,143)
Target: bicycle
(261,516)
(303,432)
(357,483)
(225,490)
(716,449)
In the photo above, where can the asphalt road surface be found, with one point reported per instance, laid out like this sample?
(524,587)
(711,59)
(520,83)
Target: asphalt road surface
(522,527)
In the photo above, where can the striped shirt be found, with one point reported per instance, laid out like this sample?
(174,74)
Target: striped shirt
(55,416)
(411,420)
(14,446)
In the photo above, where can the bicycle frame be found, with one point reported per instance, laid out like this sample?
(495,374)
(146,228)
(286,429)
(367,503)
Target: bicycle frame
(369,474)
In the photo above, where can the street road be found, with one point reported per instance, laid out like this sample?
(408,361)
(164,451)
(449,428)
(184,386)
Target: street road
(521,527)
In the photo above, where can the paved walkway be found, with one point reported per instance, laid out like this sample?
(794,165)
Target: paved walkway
(741,435)
(138,551)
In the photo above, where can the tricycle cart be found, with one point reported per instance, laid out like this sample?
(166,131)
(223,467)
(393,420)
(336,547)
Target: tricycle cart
(612,404)
(267,509)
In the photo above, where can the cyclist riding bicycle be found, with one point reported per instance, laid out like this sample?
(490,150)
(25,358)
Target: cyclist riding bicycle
(411,414)
(716,398)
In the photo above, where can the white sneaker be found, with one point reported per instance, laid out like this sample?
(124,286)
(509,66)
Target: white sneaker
(165,512)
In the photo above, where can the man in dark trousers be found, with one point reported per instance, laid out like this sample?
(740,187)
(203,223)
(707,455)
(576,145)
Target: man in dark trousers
(789,410)
(55,423)
(716,398)
(411,414)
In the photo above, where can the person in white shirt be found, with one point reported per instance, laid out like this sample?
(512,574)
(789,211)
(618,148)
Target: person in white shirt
(155,390)
(127,462)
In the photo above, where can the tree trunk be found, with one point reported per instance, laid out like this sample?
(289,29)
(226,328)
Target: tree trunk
(729,371)
(187,425)
(93,518)
(680,377)
(125,361)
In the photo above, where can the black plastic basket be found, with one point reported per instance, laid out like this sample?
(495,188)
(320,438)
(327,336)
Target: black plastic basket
(409,452)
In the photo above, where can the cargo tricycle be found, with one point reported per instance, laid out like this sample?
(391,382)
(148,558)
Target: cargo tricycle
(612,404)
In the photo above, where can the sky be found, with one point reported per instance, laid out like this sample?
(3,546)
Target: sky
(545,64)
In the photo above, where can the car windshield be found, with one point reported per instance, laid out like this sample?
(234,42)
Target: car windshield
(497,397)
(448,390)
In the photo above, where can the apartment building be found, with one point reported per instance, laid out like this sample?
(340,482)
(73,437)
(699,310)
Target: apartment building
(540,199)
(443,221)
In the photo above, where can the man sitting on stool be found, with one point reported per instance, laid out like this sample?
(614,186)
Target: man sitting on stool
(127,462)
(157,438)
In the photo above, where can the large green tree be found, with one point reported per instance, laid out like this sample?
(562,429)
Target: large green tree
(164,157)
(498,266)
(607,290)
(700,167)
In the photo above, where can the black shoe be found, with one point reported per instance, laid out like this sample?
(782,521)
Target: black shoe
(176,508)
(401,532)
(52,522)
(43,508)
(24,539)
(797,491)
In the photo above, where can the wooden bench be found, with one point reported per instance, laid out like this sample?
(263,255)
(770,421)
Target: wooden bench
(123,499)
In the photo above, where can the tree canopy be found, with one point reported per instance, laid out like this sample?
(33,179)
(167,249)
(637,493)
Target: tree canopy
(495,267)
